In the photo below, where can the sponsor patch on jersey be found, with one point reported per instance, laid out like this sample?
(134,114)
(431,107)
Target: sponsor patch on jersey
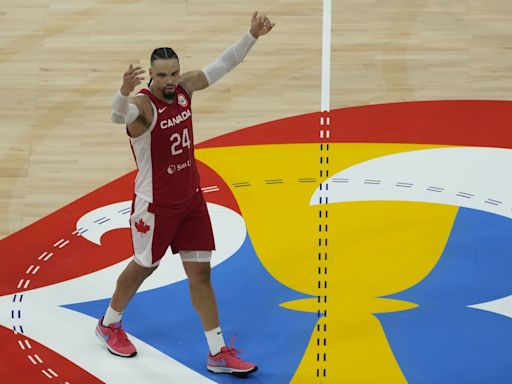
(171,169)
(182,100)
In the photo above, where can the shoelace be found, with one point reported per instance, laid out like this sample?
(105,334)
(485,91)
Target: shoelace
(121,336)
(232,350)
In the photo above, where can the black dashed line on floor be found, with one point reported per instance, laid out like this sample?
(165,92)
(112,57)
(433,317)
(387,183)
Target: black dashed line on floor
(404,185)
(274,181)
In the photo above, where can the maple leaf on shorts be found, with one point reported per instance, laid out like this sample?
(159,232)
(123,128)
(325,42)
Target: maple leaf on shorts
(141,226)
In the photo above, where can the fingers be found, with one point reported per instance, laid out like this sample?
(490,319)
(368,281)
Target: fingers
(267,24)
(132,77)
(134,73)
(133,69)
(263,19)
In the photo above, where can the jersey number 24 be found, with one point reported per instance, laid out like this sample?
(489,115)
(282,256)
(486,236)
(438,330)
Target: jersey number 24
(178,142)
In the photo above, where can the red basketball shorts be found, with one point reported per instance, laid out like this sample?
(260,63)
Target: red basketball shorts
(154,228)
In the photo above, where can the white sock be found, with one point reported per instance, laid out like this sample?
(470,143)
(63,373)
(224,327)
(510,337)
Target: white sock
(111,317)
(215,340)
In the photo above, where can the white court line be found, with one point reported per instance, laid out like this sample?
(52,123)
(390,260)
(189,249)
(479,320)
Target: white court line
(47,374)
(64,244)
(213,188)
(58,242)
(326,57)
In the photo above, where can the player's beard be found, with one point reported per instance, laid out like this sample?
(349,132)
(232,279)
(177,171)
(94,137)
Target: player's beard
(168,95)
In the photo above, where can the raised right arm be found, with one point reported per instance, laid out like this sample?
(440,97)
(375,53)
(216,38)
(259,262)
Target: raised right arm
(134,112)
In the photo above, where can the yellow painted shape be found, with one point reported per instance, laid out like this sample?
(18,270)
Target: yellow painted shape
(375,248)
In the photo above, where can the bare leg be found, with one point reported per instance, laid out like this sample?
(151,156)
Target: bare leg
(201,293)
(128,283)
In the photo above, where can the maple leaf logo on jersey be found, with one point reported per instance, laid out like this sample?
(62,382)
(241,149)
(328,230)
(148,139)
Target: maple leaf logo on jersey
(142,227)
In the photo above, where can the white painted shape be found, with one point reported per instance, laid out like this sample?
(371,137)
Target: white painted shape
(484,172)
(95,230)
(71,334)
(47,374)
(501,306)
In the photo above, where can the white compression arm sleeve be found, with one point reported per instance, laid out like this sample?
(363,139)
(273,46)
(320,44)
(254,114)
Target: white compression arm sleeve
(122,111)
(229,59)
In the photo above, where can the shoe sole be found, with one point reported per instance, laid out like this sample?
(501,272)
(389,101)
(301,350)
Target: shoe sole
(102,340)
(232,371)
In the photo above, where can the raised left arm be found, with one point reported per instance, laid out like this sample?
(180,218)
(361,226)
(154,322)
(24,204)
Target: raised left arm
(229,59)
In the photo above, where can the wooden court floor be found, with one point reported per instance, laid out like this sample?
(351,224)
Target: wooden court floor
(61,62)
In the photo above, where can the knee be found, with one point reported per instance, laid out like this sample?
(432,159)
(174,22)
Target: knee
(199,278)
(136,272)
(143,272)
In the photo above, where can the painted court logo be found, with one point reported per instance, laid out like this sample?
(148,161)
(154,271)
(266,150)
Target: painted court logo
(387,164)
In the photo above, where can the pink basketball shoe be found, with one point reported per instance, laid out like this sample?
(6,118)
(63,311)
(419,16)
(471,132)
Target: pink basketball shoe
(227,361)
(115,339)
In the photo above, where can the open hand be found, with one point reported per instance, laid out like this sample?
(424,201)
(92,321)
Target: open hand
(131,79)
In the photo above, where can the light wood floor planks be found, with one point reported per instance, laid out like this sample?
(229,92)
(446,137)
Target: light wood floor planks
(61,62)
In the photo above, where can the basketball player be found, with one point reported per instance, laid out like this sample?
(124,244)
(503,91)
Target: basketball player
(168,207)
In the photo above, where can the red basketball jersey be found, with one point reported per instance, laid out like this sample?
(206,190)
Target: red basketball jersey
(167,173)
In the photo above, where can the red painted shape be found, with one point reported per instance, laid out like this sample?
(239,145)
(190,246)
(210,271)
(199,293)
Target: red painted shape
(16,368)
(462,123)
(80,257)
